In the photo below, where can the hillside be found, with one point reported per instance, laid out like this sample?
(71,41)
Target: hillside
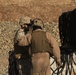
(47,10)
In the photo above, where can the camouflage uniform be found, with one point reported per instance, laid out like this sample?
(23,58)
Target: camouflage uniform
(21,46)
(40,55)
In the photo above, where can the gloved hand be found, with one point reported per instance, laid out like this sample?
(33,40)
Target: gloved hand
(58,63)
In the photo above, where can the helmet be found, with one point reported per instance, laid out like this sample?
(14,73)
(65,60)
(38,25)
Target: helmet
(38,22)
(25,19)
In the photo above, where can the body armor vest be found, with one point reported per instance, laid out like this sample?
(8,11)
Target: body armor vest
(40,42)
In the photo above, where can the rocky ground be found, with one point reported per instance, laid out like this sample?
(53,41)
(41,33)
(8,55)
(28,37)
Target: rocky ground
(11,11)
(6,44)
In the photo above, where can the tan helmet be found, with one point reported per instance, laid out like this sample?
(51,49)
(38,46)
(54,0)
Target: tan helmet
(38,22)
(25,19)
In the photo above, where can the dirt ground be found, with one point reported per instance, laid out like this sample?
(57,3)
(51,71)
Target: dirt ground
(46,10)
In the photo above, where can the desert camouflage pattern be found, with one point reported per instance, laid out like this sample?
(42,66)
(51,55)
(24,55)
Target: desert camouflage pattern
(25,19)
(21,38)
(21,46)
(41,64)
(38,22)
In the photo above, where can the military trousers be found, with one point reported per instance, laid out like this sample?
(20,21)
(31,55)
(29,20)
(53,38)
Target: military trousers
(40,64)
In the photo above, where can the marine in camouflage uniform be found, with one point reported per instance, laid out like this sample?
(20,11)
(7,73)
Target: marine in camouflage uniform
(42,45)
(21,46)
